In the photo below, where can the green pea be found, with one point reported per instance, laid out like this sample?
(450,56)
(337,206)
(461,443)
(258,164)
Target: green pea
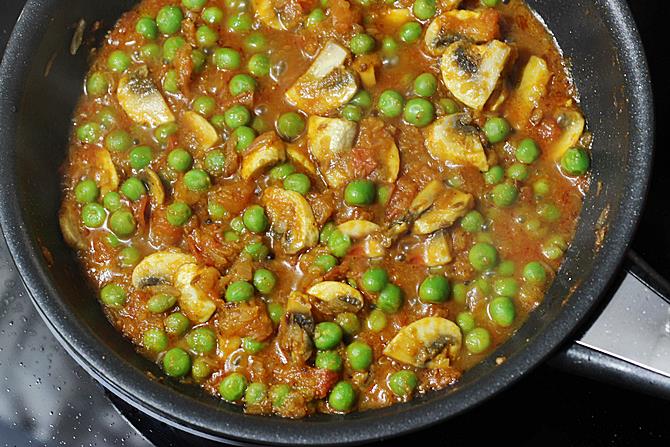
(329,360)
(140,157)
(200,370)
(419,112)
(169,19)
(477,340)
(171,81)
(490,3)
(118,140)
(390,299)
(315,17)
(554,248)
(360,193)
(231,236)
(349,323)
(403,383)
(466,321)
(193,4)
(215,161)
(276,312)
(212,15)
(502,311)
(527,151)
(448,105)
(506,268)
(252,346)
(459,292)
(376,321)
(237,116)
(259,65)
(86,191)
(96,84)
(549,212)
(243,137)
(483,256)
(107,117)
(506,287)
(179,159)
(359,355)
(339,243)
(434,289)
(218,211)
(504,195)
(255,393)
(133,188)
(112,240)
(496,129)
(257,250)
(255,42)
(278,394)
(297,182)
(410,32)
(351,112)
(204,105)
(326,232)
(290,125)
(264,280)
(113,295)
(155,340)
(255,220)
(122,222)
(241,23)
(390,103)
(89,132)
(518,172)
(226,59)
(327,335)
(239,291)
(374,280)
(198,58)
(129,257)
(281,171)
(93,215)
(206,36)
(176,362)
(146,26)
(178,214)
(426,83)
(342,397)
(197,180)
(472,222)
(389,45)
(325,262)
(201,340)
(241,83)
(112,201)
(171,46)
(534,272)
(362,99)
(161,302)
(118,61)
(541,187)
(362,43)
(575,161)
(176,324)
(494,175)
(150,52)
(163,132)
(232,387)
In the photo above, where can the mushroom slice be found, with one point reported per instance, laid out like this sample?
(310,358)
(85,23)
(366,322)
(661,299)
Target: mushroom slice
(193,301)
(337,296)
(450,205)
(267,150)
(471,71)
(296,156)
(475,26)
(292,219)
(159,268)
(199,134)
(141,100)
(328,138)
(69,226)
(436,250)
(326,85)
(531,89)
(424,340)
(373,247)
(154,185)
(449,4)
(278,14)
(452,140)
(105,172)
(572,126)
(426,197)
(296,328)
(389,160)
(358,228)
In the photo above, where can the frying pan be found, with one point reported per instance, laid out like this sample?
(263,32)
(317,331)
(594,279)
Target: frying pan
(40,82)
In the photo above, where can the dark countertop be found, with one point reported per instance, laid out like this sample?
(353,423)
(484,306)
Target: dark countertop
(46,399)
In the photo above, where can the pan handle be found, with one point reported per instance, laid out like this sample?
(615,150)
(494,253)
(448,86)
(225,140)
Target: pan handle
(628,342)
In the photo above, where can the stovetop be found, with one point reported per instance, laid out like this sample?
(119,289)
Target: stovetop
(47,399)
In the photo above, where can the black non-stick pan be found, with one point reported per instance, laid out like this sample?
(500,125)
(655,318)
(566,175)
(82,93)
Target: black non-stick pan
(40,81)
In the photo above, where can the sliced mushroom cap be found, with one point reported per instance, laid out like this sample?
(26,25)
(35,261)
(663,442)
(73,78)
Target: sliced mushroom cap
(449,206)
(531,89)
(337,297)
(154,186)
(452,140)
(328,138)
(198,132)
(69,226)
(193,301)
(572,126)
(426,197)
(422,341)
(471,71)
(373,246)
(358,228)
(326,85)
(267,150)
(292,219)
(141,100)
(299,158)
(296,328)
(389,161)
(159,268)
(436,250)
(105,172)
(475,26)
(278,14)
